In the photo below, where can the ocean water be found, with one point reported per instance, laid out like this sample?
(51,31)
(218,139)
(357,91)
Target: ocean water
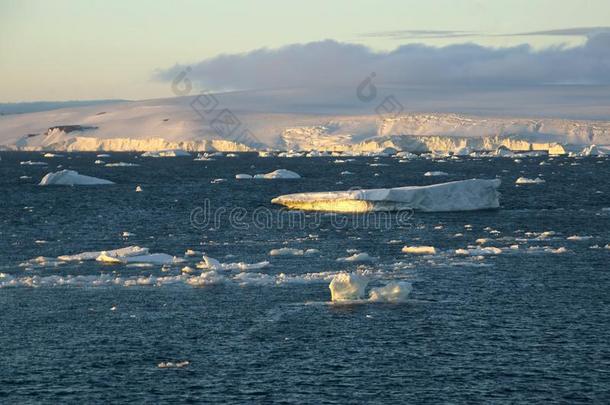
(529,324)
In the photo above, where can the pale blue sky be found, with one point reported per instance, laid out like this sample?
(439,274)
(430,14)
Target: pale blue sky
(85,49)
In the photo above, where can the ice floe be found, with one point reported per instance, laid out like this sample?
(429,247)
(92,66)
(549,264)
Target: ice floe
(358,257)
(578,238)
(465,195)
(121,164)
(209,263)
(436,173)
(419,250)
(395,292)
(286,252)
(243,176)
(478,251)
(152,258)
(71,178)
(170,364)
(32,163)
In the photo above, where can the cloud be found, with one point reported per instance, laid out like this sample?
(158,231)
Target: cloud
(573,32)
(331,63)
(420,34)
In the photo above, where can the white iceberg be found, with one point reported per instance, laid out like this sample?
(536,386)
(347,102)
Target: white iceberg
(479,251)
(32,163)
(243,176)
(525,180)
(166,153)
(347,287)
(397,291)
(358,257)
(286,252)
(419,250)
(122,252)
(153,258)
(465,195)
(503,151)
(71,178)
(436,173)
(591,150)
(121,164)
(279,174)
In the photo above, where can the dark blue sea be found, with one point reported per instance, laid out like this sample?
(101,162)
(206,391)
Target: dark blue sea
(528,325)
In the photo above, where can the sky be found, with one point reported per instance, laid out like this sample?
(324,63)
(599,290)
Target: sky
(86,49)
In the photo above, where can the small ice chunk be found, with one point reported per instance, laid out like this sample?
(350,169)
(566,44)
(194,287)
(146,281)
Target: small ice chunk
(396,291)
(525,180)
(209,263)
(579,238)
(206,278)
(138,189)
(357,257)
(479,251)
(436,173)
(32,163)
(242,176)
(347,286)
(169,364)
(419,250)
(121,164)
(286,252)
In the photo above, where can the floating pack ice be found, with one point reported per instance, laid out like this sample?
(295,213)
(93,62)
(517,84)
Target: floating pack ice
(465,195)
(71,178)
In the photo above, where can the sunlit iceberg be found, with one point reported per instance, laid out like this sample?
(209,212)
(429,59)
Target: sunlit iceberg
(465,195)
(347,286)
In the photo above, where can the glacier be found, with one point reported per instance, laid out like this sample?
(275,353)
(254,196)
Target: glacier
(464,195)
(280,123)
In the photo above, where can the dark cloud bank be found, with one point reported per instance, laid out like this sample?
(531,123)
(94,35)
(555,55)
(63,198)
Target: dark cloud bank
(331,63)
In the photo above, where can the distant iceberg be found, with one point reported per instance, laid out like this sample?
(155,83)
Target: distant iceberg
(71,178)
(166,153)
(525,180)
(465,195)
(279,174)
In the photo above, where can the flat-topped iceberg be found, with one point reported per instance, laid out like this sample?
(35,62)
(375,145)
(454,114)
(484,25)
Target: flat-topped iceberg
(71,178)
(465,195)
